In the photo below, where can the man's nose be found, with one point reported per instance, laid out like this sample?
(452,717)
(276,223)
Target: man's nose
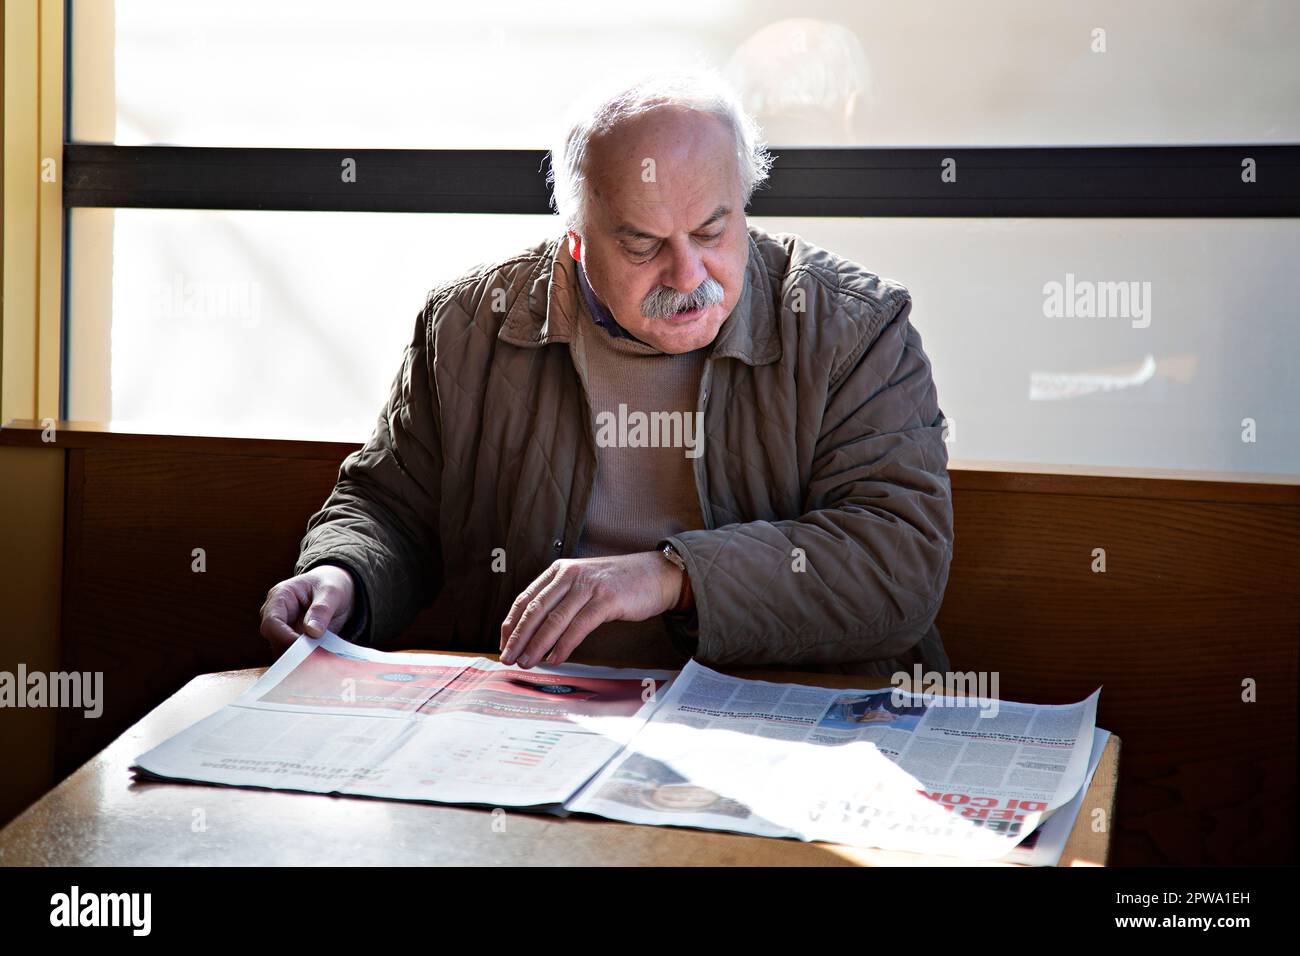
(686,269)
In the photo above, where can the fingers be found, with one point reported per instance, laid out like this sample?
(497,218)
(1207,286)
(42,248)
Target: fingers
(549,616)
(584,622)
(280,607)
(520,607)
(320,613)
(556,624)
(283,613)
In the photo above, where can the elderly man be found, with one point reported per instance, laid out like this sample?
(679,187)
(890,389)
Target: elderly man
(663,434)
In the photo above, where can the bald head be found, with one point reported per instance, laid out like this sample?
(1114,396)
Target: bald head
(658,99)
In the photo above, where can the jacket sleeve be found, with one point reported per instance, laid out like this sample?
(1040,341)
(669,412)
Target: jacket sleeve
(381,520)
(861,574)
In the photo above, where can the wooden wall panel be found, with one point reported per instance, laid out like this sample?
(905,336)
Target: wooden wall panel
(1197,596)
(1201,591)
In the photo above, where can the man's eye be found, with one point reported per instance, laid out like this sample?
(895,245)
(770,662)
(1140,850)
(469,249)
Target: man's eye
(643,253)
(716,235)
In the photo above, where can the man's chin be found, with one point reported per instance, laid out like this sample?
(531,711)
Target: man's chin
(682,332)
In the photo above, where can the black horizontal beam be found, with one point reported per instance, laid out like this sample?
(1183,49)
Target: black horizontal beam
(386,180)
(1124,181)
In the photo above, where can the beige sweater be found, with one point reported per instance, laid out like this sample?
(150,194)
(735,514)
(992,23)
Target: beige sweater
(642,493)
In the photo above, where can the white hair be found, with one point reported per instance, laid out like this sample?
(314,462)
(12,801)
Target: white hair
(701,90)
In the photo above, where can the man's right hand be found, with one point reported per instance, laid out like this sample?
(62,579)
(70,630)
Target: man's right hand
(311,603)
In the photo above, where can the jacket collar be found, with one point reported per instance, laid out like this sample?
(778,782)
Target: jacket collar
(547,309)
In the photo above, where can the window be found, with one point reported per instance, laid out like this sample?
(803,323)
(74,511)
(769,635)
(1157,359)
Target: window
(220,283)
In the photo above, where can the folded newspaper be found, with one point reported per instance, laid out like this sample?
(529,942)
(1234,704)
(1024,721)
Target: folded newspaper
(965,777)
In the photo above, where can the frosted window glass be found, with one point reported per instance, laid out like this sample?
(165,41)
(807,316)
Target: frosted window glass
(1210,338)
(292,325)
(499,73)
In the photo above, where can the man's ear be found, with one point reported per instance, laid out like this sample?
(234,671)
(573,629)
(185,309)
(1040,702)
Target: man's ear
(575,246)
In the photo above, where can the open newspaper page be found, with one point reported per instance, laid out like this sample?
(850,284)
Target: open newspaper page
(331,717)
(956,776)
(1046,845)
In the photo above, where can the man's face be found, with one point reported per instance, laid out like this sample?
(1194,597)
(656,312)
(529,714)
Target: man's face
(665,221)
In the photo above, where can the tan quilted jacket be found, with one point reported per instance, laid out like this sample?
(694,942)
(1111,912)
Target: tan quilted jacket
(823,482)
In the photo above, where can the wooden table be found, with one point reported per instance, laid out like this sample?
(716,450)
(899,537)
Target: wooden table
(101,816)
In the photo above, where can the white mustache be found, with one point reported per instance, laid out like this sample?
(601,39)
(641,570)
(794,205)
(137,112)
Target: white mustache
(664,301)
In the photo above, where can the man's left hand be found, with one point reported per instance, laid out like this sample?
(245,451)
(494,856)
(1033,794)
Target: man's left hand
(574,596)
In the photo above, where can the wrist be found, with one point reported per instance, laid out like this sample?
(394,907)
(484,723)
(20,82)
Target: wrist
(685,596)
(687,599)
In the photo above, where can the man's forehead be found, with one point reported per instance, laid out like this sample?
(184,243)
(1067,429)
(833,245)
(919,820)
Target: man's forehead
(671,162)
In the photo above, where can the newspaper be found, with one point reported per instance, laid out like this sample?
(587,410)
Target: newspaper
(1046,845)
(962,777)
(875,768)
(331,717)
